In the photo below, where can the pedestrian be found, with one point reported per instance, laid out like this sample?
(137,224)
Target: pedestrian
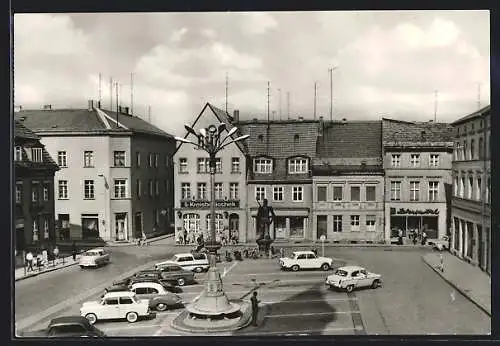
(143,239)
(400,237)
(441,262)
(282,252)
(73,251)
(29,259)
(185,234)
(255,308)
(424,238)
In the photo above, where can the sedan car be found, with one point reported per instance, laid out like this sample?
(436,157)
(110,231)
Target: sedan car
(94,258)
(116,305)
(67,327)
(305,260)
(158,297)
(351,277)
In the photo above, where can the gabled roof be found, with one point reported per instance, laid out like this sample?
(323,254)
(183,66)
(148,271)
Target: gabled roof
(22,132)
(415,132)
(353,139)
(23,135)
(482,112)
(222,117)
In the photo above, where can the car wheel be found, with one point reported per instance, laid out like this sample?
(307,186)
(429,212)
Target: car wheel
(198,269)
(83,267)
(325,266)
(295,268)
(132,317)
(375,284)
(92,318)
(161,307)
(349,288)
(181,282)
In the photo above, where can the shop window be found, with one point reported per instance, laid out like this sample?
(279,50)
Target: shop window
(297,227)
(90,227)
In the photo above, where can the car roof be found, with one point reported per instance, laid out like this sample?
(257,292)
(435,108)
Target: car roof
(303,252)
(96,249)
(119,294)
(67,320)
(351,268)
(183,254)
(146,284)
(147,271)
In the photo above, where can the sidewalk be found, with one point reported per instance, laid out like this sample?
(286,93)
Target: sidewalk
(166,237)
(20,274)
(467,279)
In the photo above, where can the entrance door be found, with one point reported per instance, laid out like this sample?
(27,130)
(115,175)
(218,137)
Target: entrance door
(322,226)
(480,247)
(138,225)
(121,226)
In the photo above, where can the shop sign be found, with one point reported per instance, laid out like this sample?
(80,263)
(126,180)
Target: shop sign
(206,204)
(403,211)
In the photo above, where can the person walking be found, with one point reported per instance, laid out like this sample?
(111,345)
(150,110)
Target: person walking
(424,238)
(400,237)
(73,251)
(143,239)
(255,308)
(441,262)
(29,259)
(185,235)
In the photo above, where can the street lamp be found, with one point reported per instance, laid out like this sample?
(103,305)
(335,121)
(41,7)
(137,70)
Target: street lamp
(213,301)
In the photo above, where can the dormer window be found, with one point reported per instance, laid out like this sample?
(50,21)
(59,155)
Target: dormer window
(37,154)
(297,166)
(263,166)
(18,153)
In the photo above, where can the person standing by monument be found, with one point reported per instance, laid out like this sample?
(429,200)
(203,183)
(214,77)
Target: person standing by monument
(265,217)
(255,308)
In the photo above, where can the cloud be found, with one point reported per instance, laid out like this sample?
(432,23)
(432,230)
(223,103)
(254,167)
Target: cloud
(257,23)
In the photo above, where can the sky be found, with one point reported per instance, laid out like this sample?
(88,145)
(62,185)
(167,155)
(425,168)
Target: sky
(404,65)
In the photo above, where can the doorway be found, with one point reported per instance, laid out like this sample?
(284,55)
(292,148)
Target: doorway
(138,225)
(121,226)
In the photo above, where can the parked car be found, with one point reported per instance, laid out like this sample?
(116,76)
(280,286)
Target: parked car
(125,284)
(440,244)
(116,305)
(169,274)
(94,258)
(305,260)
(351,277)
(197,262)
(67,327)
(159,298)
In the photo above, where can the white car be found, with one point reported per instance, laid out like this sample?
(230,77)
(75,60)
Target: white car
(94,258)
(197,262)
(351,277)
(440,244)
(305,260)
(116,305)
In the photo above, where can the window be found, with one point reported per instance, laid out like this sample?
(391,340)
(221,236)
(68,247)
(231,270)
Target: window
(126,300)
(166,185)
(191,223)
(138,187)
(120,188)
(88,159)
(19,191)
(297,166)
(111,301)
(480,148)
(470,185)
(396,160)
(119,158)
(202,165)
(464,151)
(478,188)
(18,153)
(298,194)
(260,193)
(455,186)
(183,165)
(434,160)
(414,191)
(88,189)
(472,153)
(138,159)
(487,191)
(157,188)
(201,191)
(150,187)
(355,223)
(185,191)
(218,165)
(35,230)
(63,189)
(462,187)
(61,159)
(37,154)
(141,290)
(219,191)
(167,161)
(371,221)
(355,193)
(371,193)
(156,160)
(337,223)
(46,193)
(34,191)
(234,192)
(321,192)
(433,190)
(263,166)
(46,227)
(235,165)
(337,193)
(151,159)
(278,193)
(395,190)
(415,160)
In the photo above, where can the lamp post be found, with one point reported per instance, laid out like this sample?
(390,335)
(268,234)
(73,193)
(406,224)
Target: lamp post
(213,301)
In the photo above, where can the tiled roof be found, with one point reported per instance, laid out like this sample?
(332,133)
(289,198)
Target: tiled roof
(416,132)
(360,139)
(483,111)
(136,124)
(327,170)
(27,138)
(21,131)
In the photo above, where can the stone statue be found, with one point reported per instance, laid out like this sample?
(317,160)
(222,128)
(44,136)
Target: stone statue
(265,217)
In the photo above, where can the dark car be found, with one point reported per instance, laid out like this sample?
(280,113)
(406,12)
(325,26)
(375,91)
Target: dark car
(67,327)
(176,274)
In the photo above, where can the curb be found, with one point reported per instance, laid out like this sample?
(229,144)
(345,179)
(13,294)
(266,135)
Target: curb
(458,288)
(148,241)
(45,271)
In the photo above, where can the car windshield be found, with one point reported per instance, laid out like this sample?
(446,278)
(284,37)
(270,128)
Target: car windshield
(91,253)
(341,272)
(174,259)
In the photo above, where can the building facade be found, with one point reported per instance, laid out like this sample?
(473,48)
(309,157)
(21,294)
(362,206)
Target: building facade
(280,159)
(116,178)
(471,208)
(348,183)
(417,164)
(34,171)
(192,185)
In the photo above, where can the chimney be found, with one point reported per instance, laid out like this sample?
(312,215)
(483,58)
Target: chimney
(321,127)
(254,120)
(90,106)
(47,107)
(344,120)
(301,118)
(236,116)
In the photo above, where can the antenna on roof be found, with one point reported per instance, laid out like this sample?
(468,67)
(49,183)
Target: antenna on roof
(331,91)
(288,104)
(479,96)
(117,112)
(149,114)
(99,88)
(132,93)
(315,91)
(227,85)
(435,104)
(110,93)
(267,132)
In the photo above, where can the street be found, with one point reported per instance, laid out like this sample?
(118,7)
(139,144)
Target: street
(412,300)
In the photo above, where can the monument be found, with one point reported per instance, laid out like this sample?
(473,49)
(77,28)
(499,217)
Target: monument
(265,217)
